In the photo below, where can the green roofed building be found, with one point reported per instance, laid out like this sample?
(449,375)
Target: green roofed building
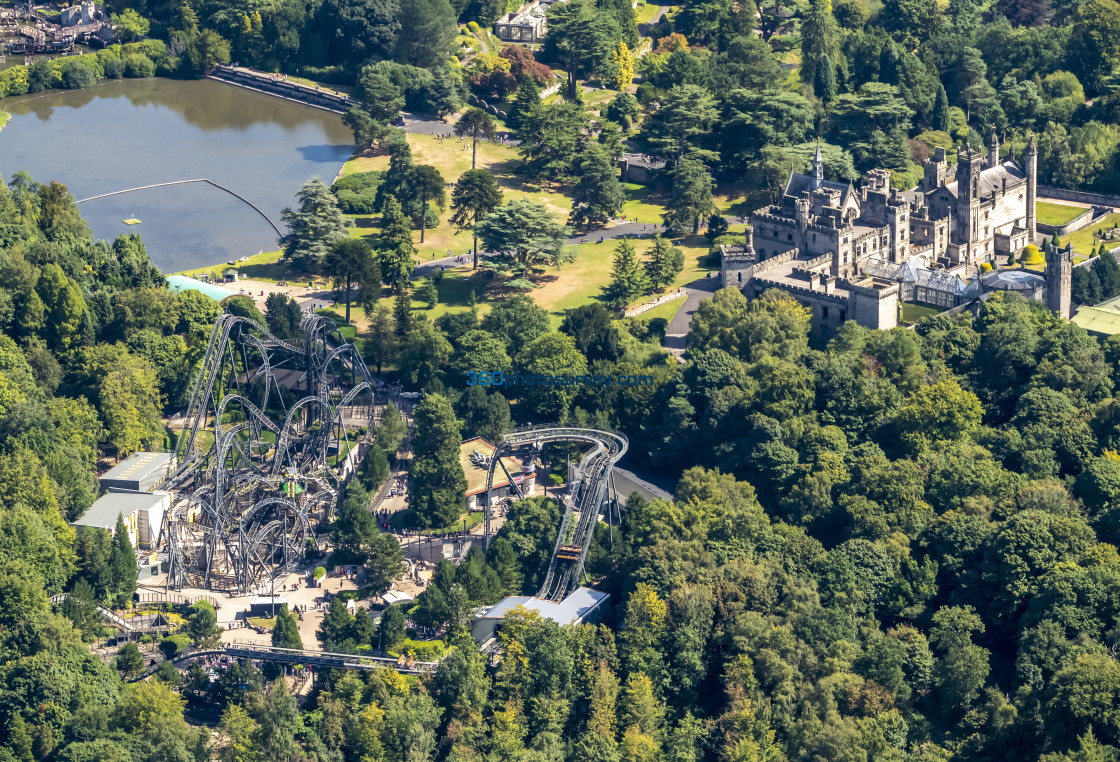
(1102,319)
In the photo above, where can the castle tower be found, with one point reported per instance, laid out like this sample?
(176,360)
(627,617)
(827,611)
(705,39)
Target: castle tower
(993,149)
(803,205)
(969,165)
(933,176)
(1032,187)
(818,169)
(1059,279)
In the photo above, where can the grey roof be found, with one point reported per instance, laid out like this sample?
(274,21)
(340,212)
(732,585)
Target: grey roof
(1011,280)
(799,183)
(571,609)
(138,466)
(993,177)
(103,513)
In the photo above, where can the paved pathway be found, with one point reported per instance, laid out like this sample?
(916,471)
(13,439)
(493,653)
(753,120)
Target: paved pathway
(644,29)
(679,326)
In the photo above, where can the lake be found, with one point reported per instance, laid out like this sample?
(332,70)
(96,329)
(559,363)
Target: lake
(130,133)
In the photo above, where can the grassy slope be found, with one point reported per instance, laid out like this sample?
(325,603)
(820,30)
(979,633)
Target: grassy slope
(1083,239)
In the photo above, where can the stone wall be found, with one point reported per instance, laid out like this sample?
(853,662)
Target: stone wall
(1083,197)
(1083,220)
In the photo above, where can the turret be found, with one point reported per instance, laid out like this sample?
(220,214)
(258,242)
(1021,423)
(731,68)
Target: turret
(993,149)
(1032,186)
(934,171)
(1059,279)
(818,169)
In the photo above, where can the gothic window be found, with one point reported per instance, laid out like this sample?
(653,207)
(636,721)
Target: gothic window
(740,277)
(1020,196)
(824,313)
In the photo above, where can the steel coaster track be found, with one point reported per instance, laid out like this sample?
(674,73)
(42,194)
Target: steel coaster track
(587,495)
(232,524)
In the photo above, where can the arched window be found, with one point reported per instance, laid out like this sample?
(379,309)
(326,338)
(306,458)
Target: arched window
(740,277)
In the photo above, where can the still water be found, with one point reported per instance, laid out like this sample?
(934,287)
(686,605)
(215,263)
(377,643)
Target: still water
(129,133)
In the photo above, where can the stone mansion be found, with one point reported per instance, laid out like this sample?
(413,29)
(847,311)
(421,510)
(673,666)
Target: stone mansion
(855,254)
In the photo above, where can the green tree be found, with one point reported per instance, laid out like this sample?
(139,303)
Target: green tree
(820,39)
(597,196)
(623,110)
(391,629)
(427,183)
(129,660)
(692,195)
(395,244)
(476,124)
(686,115)
(423,354)
(381,334)
(438,485)
(285,630)
(628,278)
(206,50)
(426,30)
(130,25)
(1091,52)
(202,625)
(526,234)
(385,562)
(350,263)
(665,263)
(476,194)
(238,733)
(313,227)
(551,355)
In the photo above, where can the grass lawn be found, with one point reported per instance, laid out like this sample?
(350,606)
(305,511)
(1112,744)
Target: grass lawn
(664,312)
(912,313)
(262,621)
(264,266)
(336,89)
(1083,240)
(452,159)
(1057,214)
(646,13)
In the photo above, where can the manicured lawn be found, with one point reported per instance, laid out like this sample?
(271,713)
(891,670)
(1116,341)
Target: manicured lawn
(261,621)
(264,266)
(336,89)
(1049,213)
(1083,240)
(645,13)
(452,158)
(665,311)
(912,313)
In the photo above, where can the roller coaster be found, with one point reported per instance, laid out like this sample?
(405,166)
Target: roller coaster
(589,491)
(269,423)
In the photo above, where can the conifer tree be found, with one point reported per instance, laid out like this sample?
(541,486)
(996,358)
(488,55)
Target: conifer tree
(664,264)
(395,243)
(438,485)
(122,562)
(628,279)
(402,313)
(824,81)
(528,96)
(940,115)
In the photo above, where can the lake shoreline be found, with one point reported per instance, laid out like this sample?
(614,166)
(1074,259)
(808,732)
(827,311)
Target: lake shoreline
(155,131)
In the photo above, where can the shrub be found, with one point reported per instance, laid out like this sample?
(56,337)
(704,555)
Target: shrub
(474,27)
(985,267)
(172,645)
(319,572)
(139,66)
(80,72)
(1032,256)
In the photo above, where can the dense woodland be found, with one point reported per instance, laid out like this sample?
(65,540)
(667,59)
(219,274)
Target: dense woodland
(891,545)
(885,546)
